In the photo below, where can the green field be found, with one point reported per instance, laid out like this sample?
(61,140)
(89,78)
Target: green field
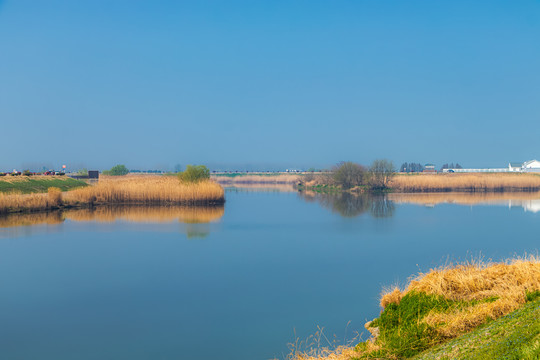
(27,185)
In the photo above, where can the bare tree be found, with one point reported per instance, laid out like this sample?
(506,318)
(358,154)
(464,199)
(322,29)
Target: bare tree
(381,172)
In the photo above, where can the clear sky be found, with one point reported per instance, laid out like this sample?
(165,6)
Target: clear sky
(294,83)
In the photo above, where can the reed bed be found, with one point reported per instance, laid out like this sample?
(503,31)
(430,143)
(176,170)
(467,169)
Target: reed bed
(16,202)
(471,182)
(149,190)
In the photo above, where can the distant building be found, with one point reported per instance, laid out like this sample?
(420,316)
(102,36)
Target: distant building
(514,167)
(429,168)
(531,166)
(527,166)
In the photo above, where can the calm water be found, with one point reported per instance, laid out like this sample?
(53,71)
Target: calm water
(231,283)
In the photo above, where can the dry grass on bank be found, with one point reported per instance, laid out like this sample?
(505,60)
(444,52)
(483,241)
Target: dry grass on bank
(506,283)
(465,182)
(147,190)
(481,291)
(30,202)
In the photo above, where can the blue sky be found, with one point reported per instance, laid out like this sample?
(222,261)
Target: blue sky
(265,84)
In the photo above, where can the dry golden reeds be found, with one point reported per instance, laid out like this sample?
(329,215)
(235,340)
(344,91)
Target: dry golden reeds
(147,190)
(474,182)
(14,202)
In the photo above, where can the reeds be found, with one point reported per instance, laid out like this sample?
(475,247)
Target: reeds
(471,182)
(15,202)
(150,190)
(140,190)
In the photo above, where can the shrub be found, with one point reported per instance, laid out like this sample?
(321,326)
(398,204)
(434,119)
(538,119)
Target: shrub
(348,174)
(117,170)
(2,174)
(194,173)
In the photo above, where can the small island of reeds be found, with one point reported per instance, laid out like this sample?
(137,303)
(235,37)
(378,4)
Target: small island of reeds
(474,310)
(119,190)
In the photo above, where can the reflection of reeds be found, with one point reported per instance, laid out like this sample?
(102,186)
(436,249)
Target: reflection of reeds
(50,218)
(461,198)
(147,190)
(466,182)
(146,214)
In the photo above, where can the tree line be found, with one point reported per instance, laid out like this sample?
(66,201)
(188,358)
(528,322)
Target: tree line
(348,175)
(417,167)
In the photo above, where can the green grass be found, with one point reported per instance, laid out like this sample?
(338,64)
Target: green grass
(514,336)
(30,185)
(403,334)
(402,331)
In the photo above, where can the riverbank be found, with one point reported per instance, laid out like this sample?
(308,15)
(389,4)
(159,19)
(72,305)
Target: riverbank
(434,183)
(129,190)
(465,311)
(465,182)
(37,184)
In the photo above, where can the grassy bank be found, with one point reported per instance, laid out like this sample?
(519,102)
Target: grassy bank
(135,190)
(37,184)
(443,313)
(467,182)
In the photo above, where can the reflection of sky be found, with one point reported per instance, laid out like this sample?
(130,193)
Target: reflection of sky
(273,264)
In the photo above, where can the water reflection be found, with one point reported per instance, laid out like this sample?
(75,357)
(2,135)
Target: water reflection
(352,205)
(528,201)
(196,218)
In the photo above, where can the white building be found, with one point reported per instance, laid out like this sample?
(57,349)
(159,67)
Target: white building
(527,166)
(514,167)
(531,166)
